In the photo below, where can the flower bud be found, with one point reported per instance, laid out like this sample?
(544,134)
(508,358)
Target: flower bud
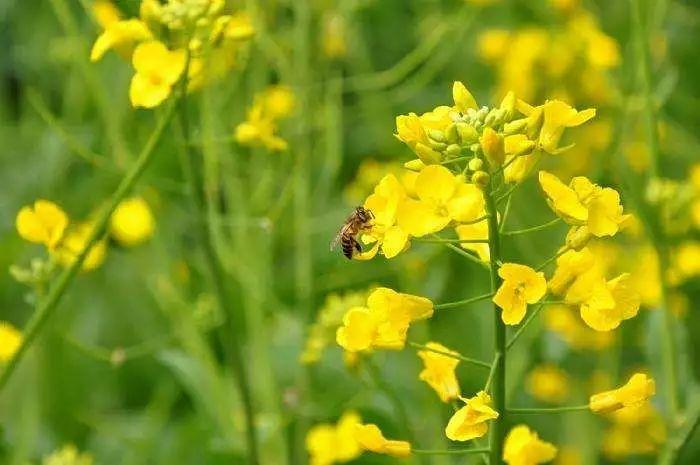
(414,165)
(426,154)
(492,145)
(481,179)
(475,164)
(578,237)
(436,135)
(451,134)
(467,134)
(464,100)
(508,106)
(453,150)
(515,127)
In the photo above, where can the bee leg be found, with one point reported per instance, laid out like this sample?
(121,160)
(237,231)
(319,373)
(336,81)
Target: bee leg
(358,247)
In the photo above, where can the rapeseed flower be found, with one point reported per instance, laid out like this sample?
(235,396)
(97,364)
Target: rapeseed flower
(68,455)
(442,198)
(74,242)
(384,322)
(584,203)
(123,36)
(638,389)
(328,444)
(157,70)
(521,286)
(439,371)
(261,125)
(637,430)
(566,323)
(476,231)
(371,438)
(524,447)
(44,222)
(132,222)
(471,421)
(10,340)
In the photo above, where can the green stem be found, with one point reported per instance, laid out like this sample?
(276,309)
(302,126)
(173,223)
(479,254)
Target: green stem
(483,450)
(499,370)
(547,410)
(552,259)
(532,229)
(47,306)
(489,380)
(642,36)
(228,333)
(454,355)
(467,255)
(440,240)
(460,303)
(525,324)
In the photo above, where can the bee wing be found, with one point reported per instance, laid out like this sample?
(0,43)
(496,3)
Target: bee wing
(336,239)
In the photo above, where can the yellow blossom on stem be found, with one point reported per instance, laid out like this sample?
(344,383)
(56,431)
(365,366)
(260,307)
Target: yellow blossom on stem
(548,383)
(371,438)
(471,421)
(606,304)
(122,36)
(132,222)
(105,13)
(10,340)
(463,99)
(328,444)
(521,286)
(439,371)
(157,70)
(584,203)
(524,447)
(74,242)
(385,234)
(566,323)
(42,223)
(519,157)
(384,322)
(556,116)
(638,389)
(442,198)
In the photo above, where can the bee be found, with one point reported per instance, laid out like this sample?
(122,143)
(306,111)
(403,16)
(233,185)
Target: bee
(359,221)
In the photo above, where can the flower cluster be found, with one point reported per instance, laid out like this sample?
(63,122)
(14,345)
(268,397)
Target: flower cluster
(169,38)
(261,125)
(383,322)
(334,443)
(46,223)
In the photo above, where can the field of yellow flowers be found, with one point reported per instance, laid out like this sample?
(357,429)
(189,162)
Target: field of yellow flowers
(290,232)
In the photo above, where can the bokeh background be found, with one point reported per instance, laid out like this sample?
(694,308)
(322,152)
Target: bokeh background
(127,368)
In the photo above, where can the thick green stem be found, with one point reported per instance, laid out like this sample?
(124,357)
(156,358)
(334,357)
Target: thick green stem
(47,306)
(229,335)
(498,391)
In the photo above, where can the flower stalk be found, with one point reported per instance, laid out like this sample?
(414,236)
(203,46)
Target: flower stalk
(498,378)
(48,305)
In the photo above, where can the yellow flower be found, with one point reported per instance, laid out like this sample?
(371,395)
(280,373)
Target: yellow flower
(557,116)
(328,444)
(74,242)
(122,36)
(548,383)
(384,322)
(584,203)
(385,233)
(570,265)
(607,303)
(279,101)
(442,198)
(519,157)
(493,147)
(42,223)
(371,438)
(475,231)
(638,389)
(685,262)
(521,286)
(470,421)
(439,371)
(493,44)
(132,222)
(524,447)
(68,455)
(635,430)
(10,340)
(157,70)
(565,321)
(259,130)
